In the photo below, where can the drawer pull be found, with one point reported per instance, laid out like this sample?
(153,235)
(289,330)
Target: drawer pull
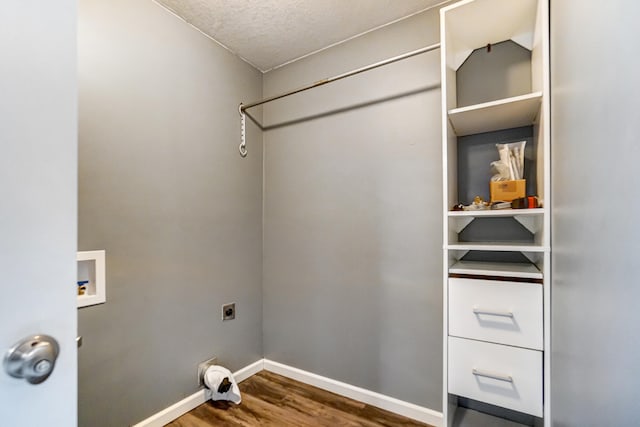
(479,373)
(492,312)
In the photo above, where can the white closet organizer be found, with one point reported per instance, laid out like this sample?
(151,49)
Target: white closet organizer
(496,312)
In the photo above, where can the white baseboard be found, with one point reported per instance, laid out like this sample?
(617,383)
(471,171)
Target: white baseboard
(390,404)
(196,399)
(248,371)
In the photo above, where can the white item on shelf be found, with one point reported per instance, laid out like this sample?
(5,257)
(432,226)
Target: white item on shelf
(511,163)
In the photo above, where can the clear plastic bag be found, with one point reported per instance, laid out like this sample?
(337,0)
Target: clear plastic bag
(511,164)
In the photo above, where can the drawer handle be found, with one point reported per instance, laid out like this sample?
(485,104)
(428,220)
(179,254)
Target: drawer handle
(492,312)
(479,373)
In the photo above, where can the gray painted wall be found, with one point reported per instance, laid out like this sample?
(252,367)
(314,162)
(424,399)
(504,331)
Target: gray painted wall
(353,217)
(164,191)
(596,238)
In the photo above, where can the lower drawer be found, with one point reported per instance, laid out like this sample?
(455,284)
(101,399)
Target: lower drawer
(501,375)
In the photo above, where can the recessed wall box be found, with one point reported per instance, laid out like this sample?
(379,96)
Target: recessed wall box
(91,271)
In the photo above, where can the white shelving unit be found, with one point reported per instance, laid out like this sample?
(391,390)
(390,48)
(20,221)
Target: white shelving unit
(91,268)
(491,369)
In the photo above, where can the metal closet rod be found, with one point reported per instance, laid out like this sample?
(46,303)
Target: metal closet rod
(244,107)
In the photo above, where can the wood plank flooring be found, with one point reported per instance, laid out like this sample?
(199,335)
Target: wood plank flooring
(269,399)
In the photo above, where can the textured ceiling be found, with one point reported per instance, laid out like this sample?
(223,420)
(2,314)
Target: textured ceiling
(269,33)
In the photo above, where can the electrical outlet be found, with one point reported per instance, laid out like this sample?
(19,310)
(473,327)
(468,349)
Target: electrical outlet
(229,311)
(202,368)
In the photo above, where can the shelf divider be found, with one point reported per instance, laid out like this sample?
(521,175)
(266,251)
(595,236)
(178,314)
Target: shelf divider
(496,246)
(500,269)
(495,115)
(497,212)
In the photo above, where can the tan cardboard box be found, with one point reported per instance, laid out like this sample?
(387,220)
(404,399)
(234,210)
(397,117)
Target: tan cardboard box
(506,191)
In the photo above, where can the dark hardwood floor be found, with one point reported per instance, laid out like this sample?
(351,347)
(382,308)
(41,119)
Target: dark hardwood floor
(272,400)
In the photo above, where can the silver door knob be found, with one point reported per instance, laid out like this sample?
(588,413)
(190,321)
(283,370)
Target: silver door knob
(33,358)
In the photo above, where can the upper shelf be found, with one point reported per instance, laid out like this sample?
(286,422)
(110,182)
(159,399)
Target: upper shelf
(495,115)
(510,20)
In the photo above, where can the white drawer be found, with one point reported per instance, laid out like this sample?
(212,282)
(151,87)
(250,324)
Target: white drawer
(501,375)
(501,312)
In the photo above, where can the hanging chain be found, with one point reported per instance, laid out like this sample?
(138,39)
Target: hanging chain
(243,140)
